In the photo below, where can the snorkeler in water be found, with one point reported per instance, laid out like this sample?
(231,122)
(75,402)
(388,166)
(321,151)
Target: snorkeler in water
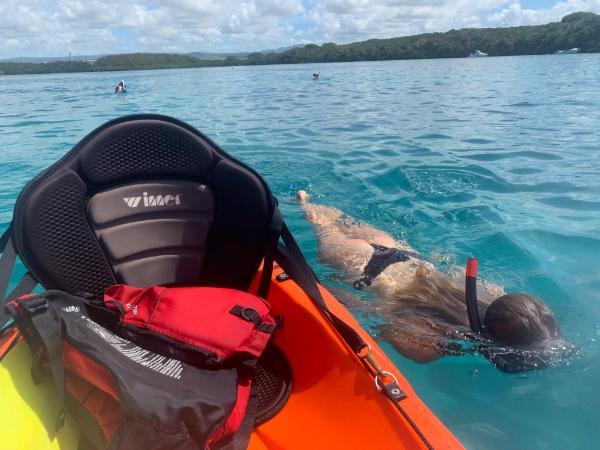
(426,314)
(121,88)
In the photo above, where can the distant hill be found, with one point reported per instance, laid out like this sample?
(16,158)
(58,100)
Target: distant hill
(147,61)
(282,49)
(11,68)
(581,30)
(130,61)
(47,59)
(208,55)
(90,58)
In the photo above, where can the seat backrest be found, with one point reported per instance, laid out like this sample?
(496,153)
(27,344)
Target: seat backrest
(143,200)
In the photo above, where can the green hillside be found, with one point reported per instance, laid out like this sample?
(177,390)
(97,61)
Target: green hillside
(580,30)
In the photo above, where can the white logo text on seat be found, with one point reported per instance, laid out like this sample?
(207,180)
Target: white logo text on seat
(153,200)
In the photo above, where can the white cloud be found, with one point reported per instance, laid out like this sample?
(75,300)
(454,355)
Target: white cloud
(346,20)
(55,27)
(349,20)
(45,27)
(514,14)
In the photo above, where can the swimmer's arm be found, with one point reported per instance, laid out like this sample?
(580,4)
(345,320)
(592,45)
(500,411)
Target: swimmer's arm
(418,353)
(421,348)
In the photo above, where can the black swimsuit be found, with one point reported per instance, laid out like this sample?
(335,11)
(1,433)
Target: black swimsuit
(382,258)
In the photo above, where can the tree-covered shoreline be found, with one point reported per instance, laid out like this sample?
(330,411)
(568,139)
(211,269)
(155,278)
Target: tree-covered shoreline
(581,30)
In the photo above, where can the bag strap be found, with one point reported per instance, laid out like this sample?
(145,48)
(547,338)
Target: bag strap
(274,233)
(292,261)
(241,438)
(47,328)
(7,264)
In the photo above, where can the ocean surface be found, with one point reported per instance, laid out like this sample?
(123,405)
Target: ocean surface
(497,158)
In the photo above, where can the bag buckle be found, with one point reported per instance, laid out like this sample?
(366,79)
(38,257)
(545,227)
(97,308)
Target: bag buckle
(248,314)
(34,305)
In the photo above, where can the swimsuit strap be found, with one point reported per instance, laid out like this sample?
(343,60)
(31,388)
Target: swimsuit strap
(381,259)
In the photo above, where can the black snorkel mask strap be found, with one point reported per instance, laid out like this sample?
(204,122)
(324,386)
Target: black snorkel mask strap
(471,296)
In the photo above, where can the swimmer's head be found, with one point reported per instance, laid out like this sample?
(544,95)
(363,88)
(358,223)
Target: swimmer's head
(520,319)
(302,196)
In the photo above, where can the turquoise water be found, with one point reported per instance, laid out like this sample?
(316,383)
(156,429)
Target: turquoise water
(497,158)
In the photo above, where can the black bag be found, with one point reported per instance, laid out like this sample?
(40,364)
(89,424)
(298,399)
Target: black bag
(124,396)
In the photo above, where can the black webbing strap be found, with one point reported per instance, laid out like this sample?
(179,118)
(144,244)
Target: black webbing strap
(292,261)
(7,263)
(7,260)
(5,237)
(242,436)
(25,286)
(272,240)
(48,329)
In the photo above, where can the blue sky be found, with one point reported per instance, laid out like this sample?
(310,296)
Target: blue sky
(537,3)
(57,27)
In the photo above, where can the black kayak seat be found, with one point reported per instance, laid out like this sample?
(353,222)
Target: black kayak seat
(143,200)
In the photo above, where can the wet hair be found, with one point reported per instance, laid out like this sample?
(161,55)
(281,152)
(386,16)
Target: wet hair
(520,319)
(435,296)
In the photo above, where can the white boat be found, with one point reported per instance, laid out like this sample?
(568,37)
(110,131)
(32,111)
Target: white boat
(478,54)
(567,52)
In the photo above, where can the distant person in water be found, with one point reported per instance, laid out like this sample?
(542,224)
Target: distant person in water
(121,87)
(315,75)
(424,311)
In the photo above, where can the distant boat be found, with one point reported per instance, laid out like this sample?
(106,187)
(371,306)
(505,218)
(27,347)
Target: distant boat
(478,54)
(567,52)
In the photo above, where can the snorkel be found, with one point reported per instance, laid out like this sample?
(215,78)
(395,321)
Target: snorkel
(471,296)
